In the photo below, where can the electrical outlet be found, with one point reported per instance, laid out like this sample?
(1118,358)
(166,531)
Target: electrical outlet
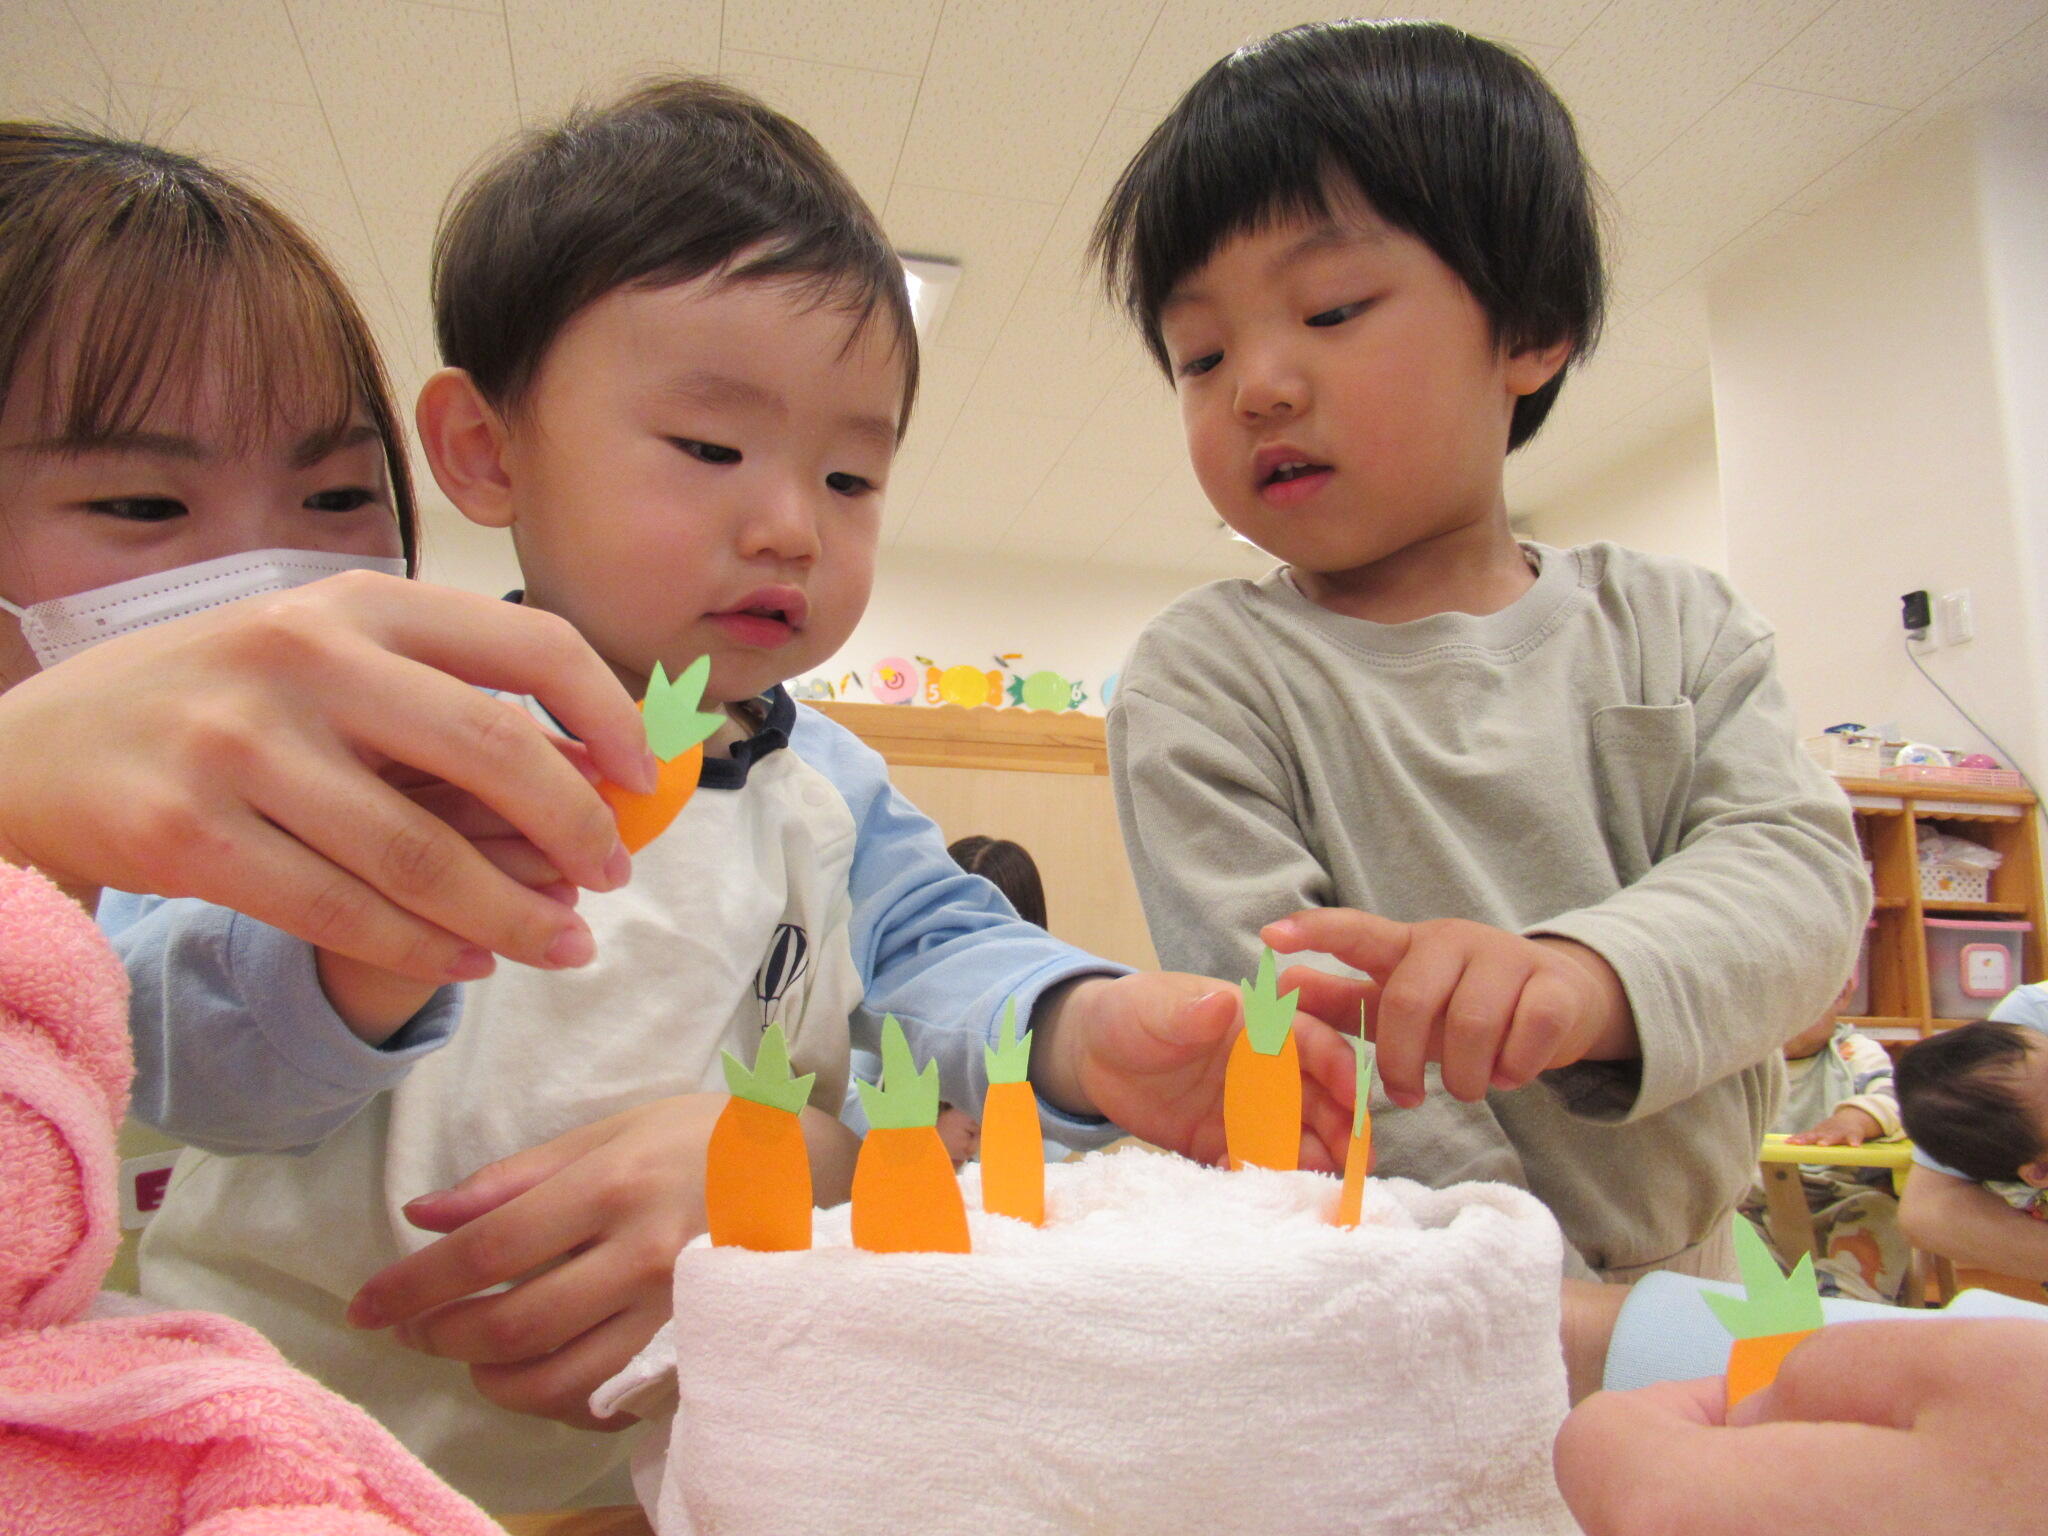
(1914,615)
(1955,618)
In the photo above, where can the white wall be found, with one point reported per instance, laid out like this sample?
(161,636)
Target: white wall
(1862,399)
(1077,620)
(1664,498)
(2013,172)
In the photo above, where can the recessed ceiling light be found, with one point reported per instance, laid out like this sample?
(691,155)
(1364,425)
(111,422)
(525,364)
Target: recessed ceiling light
(931,280)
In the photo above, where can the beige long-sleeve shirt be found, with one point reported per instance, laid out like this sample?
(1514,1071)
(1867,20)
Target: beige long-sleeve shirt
(1610,759)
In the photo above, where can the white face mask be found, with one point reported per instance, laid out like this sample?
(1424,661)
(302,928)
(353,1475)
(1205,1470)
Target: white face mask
(64,626)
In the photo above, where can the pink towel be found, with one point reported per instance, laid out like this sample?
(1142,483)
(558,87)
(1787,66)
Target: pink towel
(170,1421)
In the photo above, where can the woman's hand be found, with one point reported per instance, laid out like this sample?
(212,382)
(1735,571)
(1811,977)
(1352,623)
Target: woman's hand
(246,756)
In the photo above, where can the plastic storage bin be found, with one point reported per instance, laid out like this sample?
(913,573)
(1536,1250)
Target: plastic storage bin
(1971,965)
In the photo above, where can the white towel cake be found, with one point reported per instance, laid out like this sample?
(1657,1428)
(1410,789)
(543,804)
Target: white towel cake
(1179,1349)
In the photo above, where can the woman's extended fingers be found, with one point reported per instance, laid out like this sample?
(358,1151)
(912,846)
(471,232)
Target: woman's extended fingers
(414,860)
(495,751)
(276,879)
(515,649)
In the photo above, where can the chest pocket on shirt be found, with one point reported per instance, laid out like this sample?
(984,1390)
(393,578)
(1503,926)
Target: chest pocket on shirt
(1642,768)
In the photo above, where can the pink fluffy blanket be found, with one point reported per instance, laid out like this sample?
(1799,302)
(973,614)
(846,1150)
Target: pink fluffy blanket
(159,1422)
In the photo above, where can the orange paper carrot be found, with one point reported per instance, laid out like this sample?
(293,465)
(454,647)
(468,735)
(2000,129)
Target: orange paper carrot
(1262,1081)
(1778,1312)
(1012,1150)
(906,1198)
(757,1170)
(676,731)
(1358,1152)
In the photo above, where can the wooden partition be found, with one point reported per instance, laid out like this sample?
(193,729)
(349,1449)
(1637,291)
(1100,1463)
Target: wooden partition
(1037,778)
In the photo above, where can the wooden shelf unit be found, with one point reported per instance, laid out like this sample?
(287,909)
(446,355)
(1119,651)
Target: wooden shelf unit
(1888,816)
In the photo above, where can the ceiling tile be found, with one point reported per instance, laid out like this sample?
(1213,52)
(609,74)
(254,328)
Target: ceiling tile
(1058,355)
(1064,260)
(995,240)
(859,115)
(1136,428)
(895,37)
(561,53)
(1073,507)
(414,93)
(967,524)
(1897,53)
(245,47)
(1648,70)
(1538,486)
(1014,94)
(945,378)
(1669,330)
(47,68)
(1757,148)
(990,459)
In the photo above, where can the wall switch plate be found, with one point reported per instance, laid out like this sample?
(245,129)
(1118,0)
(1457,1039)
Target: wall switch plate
(1955,618)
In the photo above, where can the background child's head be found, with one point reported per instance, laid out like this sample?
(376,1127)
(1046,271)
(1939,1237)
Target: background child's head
(1007,866)
(182,377)
(1811,1040)
(1359,159)
(1976,1099)
(680,356)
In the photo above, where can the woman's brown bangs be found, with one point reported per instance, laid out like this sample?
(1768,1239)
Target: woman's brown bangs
(274,350)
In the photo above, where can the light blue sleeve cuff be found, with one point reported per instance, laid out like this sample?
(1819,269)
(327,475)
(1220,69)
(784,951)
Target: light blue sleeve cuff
(1922,1160)
(1667,1333)
(280,979)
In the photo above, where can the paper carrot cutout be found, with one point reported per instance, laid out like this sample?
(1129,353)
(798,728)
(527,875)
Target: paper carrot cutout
(676,732)
(1012,1150)
(905,1196)
(1779,1311)
(1262,1080)
(1358,1151)
(757,1170)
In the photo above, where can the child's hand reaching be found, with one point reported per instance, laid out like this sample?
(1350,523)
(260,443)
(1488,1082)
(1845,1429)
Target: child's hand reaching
(1492,1008)
(1149,1052)
(1846,1127)
(585,1229)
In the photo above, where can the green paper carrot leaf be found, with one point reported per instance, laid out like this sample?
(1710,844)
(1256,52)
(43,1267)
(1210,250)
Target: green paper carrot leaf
(674,721)
(905,1098)
(769,1080)
(1776,1302)
(1366,1067)
(1009,1059)
(1268,1017)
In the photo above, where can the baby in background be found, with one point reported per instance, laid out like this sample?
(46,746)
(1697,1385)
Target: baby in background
(1839,1094)
(1975,1101)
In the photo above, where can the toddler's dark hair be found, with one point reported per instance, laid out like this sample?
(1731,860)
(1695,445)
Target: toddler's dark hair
(680,178)
(1959,1099)
(1454,140)
(1007,866)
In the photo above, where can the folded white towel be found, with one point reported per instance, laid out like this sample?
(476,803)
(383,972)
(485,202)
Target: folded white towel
(1178,1350)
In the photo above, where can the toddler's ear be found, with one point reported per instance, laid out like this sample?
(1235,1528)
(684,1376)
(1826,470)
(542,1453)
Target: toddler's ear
(1533,367)
(464,439)
(2035,1173)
